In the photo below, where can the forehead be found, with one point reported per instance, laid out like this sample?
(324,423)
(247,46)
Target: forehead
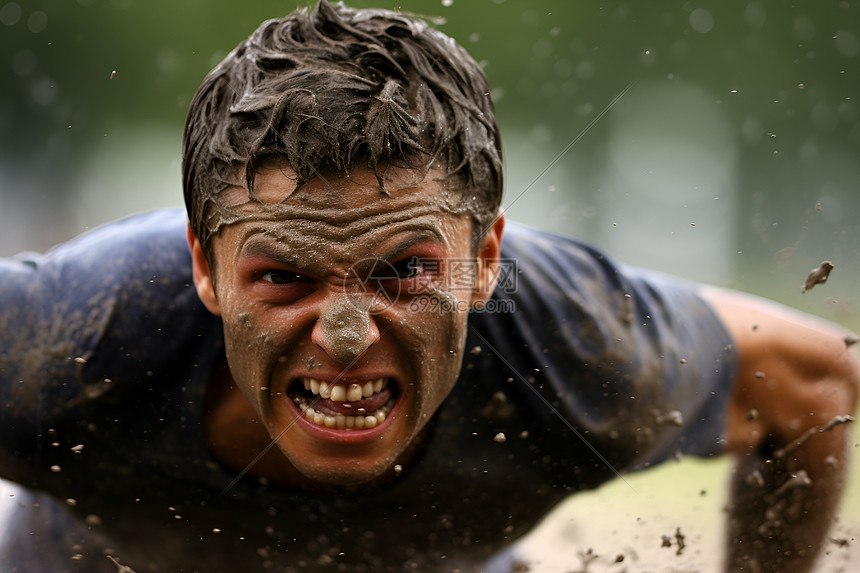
(352,212)
(275,188)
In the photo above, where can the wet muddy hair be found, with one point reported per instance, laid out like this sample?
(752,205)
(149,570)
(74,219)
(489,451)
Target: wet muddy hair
(336,89)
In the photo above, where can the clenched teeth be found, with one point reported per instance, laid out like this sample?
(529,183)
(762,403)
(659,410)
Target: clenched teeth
(344,392)
(346,422)
(352,392)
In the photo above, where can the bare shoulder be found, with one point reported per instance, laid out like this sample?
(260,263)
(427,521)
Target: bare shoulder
(796,370)
(760,325)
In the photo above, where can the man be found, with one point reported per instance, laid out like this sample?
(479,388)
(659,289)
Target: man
(376,380)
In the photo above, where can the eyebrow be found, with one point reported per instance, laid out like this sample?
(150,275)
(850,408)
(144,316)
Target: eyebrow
(422,235)
(270,250)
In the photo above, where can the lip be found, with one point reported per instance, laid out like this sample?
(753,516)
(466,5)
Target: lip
(344,436)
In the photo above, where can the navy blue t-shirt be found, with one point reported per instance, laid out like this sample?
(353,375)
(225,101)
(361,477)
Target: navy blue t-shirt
(587,368)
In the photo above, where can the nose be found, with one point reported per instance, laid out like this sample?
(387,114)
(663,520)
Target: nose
(345,329)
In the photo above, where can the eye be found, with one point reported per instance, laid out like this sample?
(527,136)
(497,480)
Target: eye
(408,268)
(283,286)
(411,275)
(283,277)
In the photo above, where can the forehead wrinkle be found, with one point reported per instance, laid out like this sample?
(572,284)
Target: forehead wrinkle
(299,234)
(312,222)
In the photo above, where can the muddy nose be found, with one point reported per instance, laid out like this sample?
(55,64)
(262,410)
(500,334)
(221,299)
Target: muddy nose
(345,329)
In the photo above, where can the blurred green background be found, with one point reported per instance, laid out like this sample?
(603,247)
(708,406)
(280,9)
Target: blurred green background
(714,140)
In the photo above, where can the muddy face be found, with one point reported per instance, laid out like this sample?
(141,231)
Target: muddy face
(317,288)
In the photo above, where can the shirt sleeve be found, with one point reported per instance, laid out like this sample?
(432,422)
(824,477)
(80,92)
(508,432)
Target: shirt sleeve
(88,329)
(613,367)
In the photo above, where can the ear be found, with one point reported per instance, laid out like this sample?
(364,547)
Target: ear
(202,275)
(488,262)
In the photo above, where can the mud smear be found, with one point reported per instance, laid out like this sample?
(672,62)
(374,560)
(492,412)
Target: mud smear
(323,203)
(346,327)
(836,421)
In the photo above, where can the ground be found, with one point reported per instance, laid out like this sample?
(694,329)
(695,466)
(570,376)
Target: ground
(633,527)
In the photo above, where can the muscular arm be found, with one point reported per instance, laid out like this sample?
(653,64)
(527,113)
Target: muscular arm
(797,387)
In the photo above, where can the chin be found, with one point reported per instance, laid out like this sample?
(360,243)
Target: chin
(345,473)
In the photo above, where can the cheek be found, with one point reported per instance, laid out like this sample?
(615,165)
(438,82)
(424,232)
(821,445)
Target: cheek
(249,345)
(238,337)
(434,340)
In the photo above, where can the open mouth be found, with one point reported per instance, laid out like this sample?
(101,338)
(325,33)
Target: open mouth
(344,405)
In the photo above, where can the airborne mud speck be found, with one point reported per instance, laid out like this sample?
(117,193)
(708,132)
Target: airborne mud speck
(120,568)
(817,276)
